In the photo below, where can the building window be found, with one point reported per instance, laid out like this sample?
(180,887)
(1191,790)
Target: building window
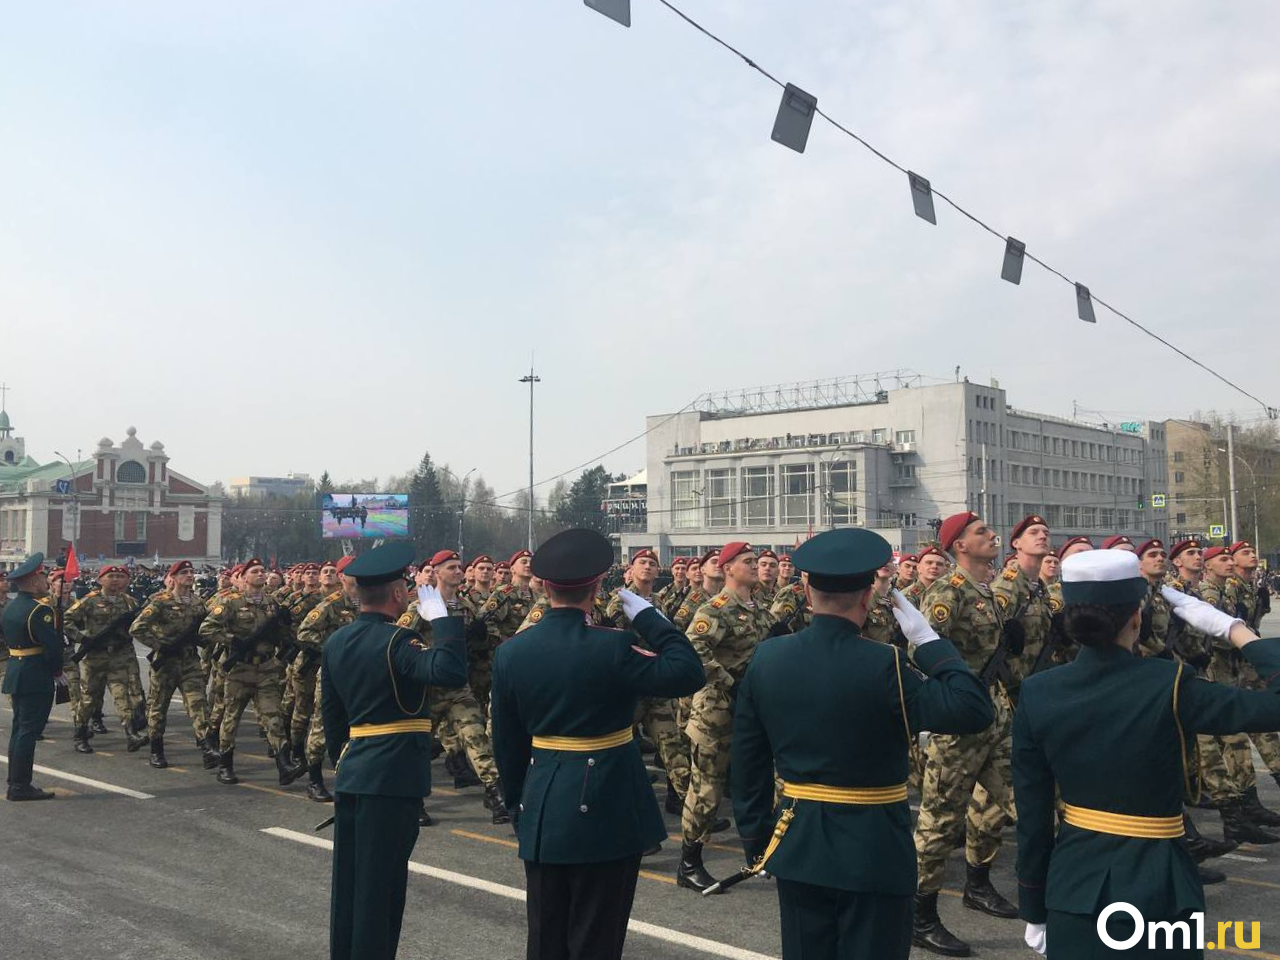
(1181,519)
(841,483)
(757,496)
(904,436)
(880,435)
(1107,517)
(1053,514)
(1122,519)
(140,527)
(131,472)
(797,494)
(1015,516)
(684,499)
(1177,456)
(1179,476)
(1070,517)
(1088,517)
(119,524)
(904,471)
(858,436)
(721,509)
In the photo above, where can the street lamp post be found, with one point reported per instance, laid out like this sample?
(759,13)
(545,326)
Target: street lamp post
(462,507)
(530,379)
(75,498)
(1253,476)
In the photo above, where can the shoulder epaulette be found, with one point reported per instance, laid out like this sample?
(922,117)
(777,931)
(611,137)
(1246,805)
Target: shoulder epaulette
(1010,574)
(719,601)
(336,595)
(957,580)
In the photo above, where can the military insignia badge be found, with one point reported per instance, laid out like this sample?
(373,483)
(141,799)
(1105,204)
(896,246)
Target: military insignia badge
(701,627)
(217,611)
(941,613)
(535,616)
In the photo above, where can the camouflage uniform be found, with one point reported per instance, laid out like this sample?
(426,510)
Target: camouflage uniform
(165,619)
(217,682)
(1237,755)
(880,624)
(965,611)
(70,669)
(1156,613)
(334,611)
(790,607)
(1246,604)
(455,713)
(502,613)
(657,715)
(688,607)
(257,675)
(1027,601)
(725,633)
(670,597)
(111,663)
(300,675)
(915,593)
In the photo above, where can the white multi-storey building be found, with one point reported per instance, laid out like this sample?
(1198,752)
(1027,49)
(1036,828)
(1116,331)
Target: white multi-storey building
(774,465)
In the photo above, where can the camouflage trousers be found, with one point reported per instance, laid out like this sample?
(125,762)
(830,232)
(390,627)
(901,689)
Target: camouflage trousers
(71,671)
(658,718)
(955,764)
(1226,765)
(116,668)
(261,684)
(217,700)
(460,723)
(1268,744)
(305,673)
(315,731)
(710,732)
(181,673)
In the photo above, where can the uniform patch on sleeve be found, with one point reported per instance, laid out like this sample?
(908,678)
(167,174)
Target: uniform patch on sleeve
(701,627)
(940,613)
(643,652)
(1055,605)
(957,581)
(1002,600)
(535,616)
(682,612)
(217,611)
(48,618)
(1010,574)
(406,619)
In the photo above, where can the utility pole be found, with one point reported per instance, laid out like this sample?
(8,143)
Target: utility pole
(75,499)
(1231,479)
(531,380)
(983,500)
(462,508)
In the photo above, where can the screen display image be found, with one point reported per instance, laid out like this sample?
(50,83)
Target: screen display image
(371,516)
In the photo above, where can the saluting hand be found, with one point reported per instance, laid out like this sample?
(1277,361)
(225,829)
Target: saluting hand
(632,604)
(431,605)
(913,623)
(1205,617)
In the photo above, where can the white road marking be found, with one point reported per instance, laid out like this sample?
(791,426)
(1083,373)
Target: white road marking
(665,934)
(86,782)
(1241,856)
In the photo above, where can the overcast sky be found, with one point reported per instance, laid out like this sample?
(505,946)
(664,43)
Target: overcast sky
(329,235)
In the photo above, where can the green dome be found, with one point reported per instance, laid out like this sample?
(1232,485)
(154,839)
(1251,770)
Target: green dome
(4,421)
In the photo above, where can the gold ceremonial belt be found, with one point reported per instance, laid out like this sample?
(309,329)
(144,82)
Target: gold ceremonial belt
(1123,825)
(865,796)
(584,744)
(26,652)
(386,729)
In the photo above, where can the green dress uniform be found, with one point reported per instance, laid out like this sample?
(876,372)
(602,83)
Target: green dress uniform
(835,714)
(565,694)
(1111,732)
(375,678)
(35,659)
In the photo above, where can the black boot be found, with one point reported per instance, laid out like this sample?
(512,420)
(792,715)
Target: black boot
(133,742)
(691,874)
(1256,812)
(1210,876)
(1276,778)
(424,818)
(80,740)
(227,767)
(674,804)
(139,719)
(271,751)
(316,790)
(158,759)
(437,748)
(493,801)
(286,768)
(99,725)
(24,791)
(979,894)
(208,755)
(211,738)
(927,930)
(1202,848)
(1237,826)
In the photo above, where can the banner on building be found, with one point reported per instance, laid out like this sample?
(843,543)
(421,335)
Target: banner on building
(186,522)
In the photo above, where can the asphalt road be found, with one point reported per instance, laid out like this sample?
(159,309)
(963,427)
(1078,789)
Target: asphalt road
(184,867)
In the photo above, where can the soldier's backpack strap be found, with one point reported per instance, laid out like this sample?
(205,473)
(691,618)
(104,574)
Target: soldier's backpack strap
(391,672)
(1191,791)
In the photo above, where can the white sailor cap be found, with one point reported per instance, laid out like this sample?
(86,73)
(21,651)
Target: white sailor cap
(1112,578)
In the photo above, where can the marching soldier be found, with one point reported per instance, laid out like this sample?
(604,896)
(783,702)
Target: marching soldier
(502,573)
(1051,571)
(725,633)
(99,622)
(499,619)
(1074,545)
(304,667)
(836,717)
(455,713)
(963,607)
(695,597)
(168,625)
(376,677)
(1119,542)
(670,597)
(655,714)
(1154,564)
(330,615)
(786,570)
(247,630)
(931,566)
(790,608)
(1023,599)
(1253,602)
(484,583)
(34,648)
(767,566)
(906,571)
(880,624)
(565,695)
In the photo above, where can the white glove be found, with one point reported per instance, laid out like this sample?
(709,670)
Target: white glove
(1205,617)
(1035,937)
(913,623)
(431,605)
(632,604)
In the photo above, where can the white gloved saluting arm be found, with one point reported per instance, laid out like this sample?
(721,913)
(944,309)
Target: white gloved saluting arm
(632,604)
(1205,617)
(431,605)
(913,623)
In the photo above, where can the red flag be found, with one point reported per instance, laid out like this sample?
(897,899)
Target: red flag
(73,565)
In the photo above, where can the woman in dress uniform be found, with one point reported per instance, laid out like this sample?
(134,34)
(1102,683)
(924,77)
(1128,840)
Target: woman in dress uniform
(1112,732)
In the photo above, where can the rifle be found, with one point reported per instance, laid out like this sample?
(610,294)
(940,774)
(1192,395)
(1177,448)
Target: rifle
(1013,640)
(157,658)
(87,646)
(1058,640)
(239,649)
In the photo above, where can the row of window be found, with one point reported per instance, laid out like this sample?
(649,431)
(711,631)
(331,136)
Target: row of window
(1108,519)
(1029,476)
(981,431)
(791,494)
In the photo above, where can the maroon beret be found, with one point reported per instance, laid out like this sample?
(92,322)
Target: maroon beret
(1112,542)
(646,552)
(732,550)
(444,556)
(1238,545)
(1027,522)
(1072,542)
(953,527)
(519,555)
(1152,544)
(1215,552)
(180,566)
(1181,546)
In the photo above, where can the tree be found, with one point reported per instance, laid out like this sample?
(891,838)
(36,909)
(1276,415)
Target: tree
(326,483)
(583,506)
(430,519)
